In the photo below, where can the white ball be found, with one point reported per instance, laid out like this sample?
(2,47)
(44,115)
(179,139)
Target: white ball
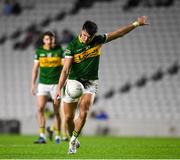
(74,89)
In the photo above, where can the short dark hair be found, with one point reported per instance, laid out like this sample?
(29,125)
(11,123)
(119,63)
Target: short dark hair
(90,27)
(48,33)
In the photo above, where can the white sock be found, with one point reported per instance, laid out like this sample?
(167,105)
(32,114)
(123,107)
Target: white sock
(73,138)
(42,135)
(57,137)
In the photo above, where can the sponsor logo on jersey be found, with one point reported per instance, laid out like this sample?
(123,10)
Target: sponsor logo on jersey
(82,49)
(89,53)
(50,61)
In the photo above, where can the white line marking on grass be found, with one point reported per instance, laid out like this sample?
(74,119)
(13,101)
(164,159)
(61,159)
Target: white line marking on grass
(18,145)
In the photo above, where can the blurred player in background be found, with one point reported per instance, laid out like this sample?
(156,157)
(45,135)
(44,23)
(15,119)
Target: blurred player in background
(81,63)
(52,129)
(48,63)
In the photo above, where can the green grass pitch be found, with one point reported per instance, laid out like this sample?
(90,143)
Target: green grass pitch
(95,147)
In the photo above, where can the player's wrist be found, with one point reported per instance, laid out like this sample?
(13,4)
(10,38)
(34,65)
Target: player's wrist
(58,97)
(136,24)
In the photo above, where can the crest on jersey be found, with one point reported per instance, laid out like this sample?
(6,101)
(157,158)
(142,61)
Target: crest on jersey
(49,54)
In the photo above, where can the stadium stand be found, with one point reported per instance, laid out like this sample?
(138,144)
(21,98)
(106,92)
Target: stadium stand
(41,15)
(139,74)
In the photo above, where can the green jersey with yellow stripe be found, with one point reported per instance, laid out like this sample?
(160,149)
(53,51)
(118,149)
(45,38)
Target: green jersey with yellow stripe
(85,58)
(50,62)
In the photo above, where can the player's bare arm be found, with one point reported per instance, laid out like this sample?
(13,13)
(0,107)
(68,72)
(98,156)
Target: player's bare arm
(126,29)
(34,76)
(63,77)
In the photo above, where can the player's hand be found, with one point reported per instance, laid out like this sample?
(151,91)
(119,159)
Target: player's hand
(33,89)
(57,97)
(143,20)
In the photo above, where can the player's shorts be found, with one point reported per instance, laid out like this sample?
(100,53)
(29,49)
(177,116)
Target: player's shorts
(90,86)
(49,90)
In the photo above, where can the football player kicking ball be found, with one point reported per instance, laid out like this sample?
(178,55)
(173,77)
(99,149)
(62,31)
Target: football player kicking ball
(82,63)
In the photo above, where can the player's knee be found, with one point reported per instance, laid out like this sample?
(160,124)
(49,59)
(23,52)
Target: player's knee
(56,113)
(41,109)
(68,118)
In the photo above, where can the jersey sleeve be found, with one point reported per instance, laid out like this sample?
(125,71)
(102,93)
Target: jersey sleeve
(36,55)
(68,52)
(101,39)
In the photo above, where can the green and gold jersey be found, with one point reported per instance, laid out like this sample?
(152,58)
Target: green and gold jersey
(50,62)
(85,58)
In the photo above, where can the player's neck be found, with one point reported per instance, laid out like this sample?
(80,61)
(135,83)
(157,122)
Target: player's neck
(46,47)
(80,40)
